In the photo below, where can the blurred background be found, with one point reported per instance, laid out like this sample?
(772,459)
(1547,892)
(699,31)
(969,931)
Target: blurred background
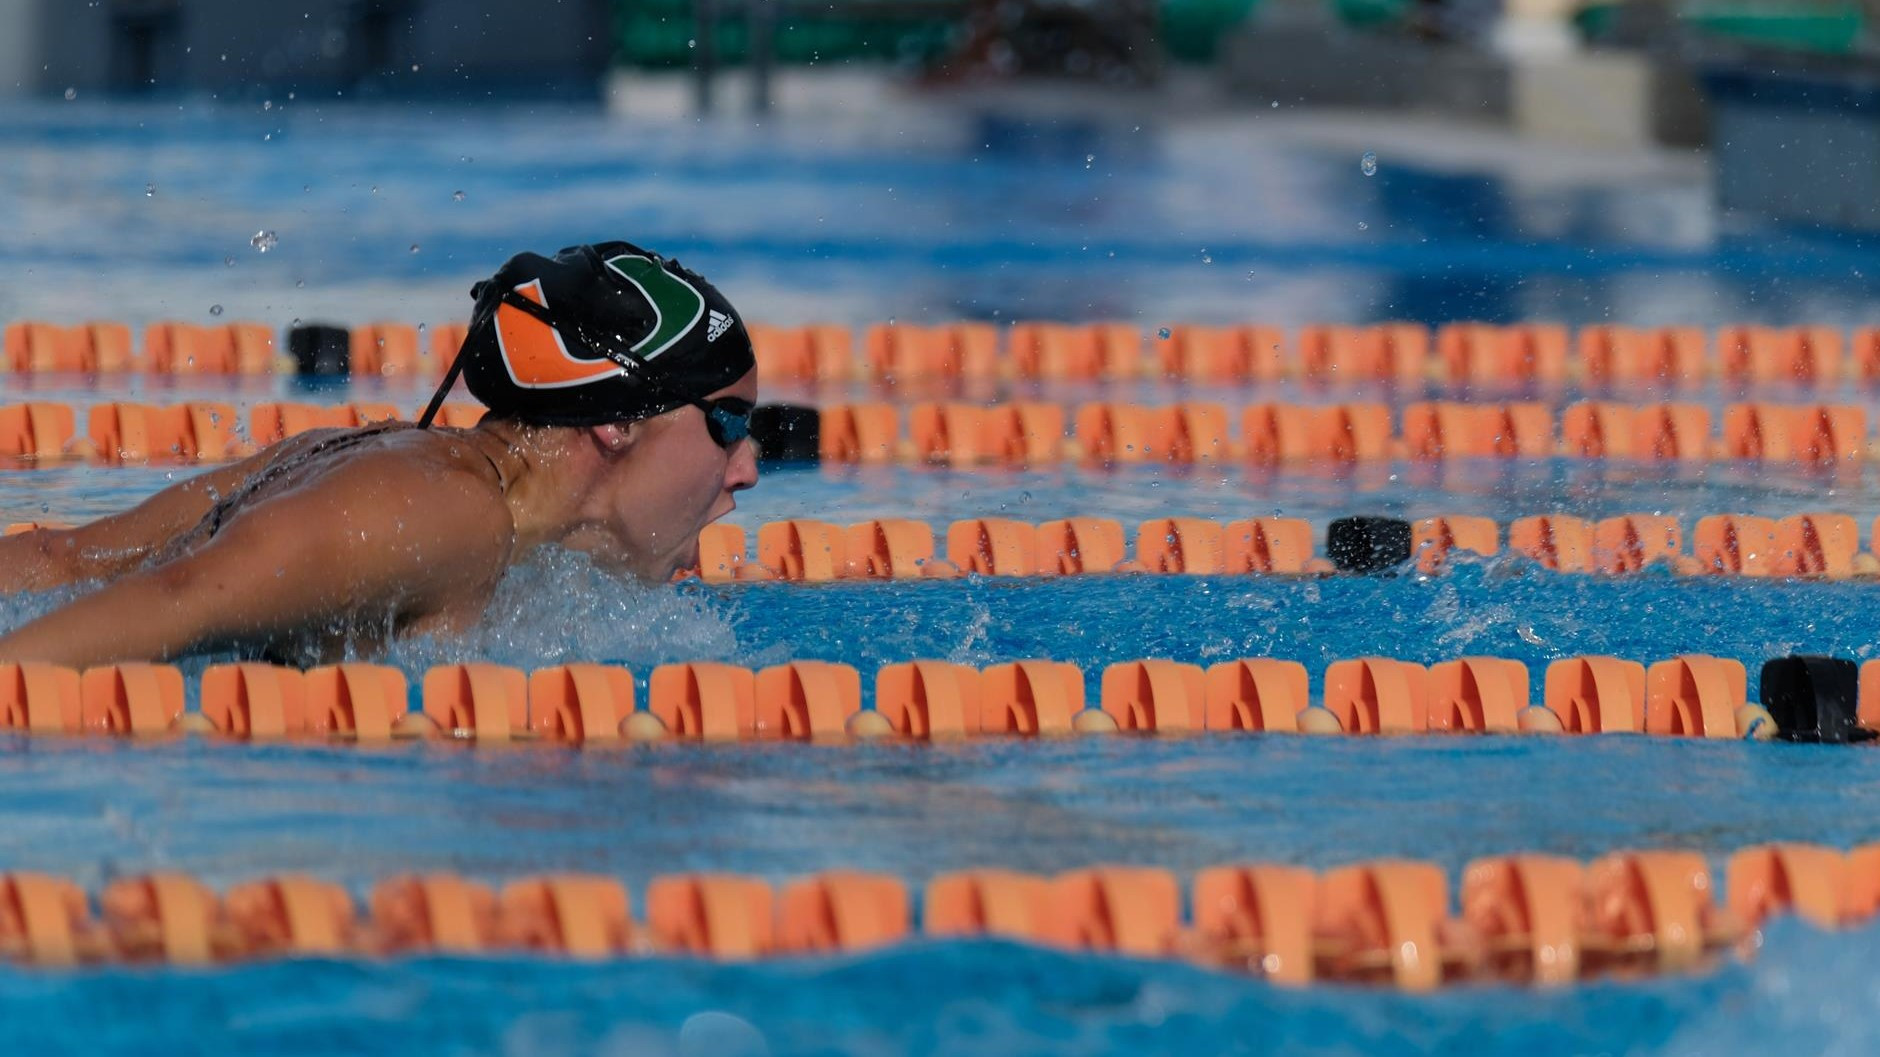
(852,161)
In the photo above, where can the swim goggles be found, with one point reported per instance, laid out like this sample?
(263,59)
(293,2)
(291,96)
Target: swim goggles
(727,419)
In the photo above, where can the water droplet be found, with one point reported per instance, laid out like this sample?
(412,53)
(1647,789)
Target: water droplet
(420,328)
(456,196)
(1163,333)
(375,188)
(414,247)
(263,241)
(1089,160)
(1205,259)
(304,188)
(150,190)
(296,322)
(71,94)
(298,283)
(1362,226)
(267,104)
(1368,163)
(228,262)
(215,310)
(1276,104)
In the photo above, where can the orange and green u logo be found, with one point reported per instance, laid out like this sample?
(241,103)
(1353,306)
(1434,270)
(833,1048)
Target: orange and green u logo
(536,356)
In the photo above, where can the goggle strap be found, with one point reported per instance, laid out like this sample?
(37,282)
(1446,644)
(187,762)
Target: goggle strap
(450,381)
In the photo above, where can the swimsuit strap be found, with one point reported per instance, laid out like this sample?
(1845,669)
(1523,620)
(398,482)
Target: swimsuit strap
(279,468)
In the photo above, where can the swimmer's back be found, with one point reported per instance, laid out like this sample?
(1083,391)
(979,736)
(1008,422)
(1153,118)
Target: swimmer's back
(187,515)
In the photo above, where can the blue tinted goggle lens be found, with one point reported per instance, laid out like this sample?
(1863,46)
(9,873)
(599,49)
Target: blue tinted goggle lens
(728,420)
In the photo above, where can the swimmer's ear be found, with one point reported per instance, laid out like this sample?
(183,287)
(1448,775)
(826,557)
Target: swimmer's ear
(615,437)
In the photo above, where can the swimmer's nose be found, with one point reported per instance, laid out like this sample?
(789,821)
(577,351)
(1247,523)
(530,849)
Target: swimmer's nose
(742,471)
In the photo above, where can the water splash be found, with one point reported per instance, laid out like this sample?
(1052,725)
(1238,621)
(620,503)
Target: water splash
(558,607)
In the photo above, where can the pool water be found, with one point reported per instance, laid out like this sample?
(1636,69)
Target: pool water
(132,213)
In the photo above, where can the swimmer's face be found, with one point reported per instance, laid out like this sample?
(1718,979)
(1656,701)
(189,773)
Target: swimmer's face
(666,479)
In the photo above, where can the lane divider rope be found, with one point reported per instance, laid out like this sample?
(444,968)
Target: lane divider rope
(1462,352)
(1806,698)
(1520,919)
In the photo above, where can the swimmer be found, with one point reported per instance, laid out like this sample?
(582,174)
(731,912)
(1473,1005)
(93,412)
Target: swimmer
(619,386)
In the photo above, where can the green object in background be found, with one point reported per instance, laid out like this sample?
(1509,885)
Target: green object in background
(1191,29)
(657,32)
(1594,21)
(1833,28)
(1371,12)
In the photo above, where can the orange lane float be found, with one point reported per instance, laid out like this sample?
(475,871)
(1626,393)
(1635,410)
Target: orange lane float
(714,915)
(385,349)
(433,914)
(902,353)
(359,702)
(33,347)
(1520,919)
(1807,355)
(1651,911)
(1115,909)
(228,349)
(1155,696)
(923,700)
(964,436)
(1734,545)
(577,915)
(1433,540)
(38,431)
(1001,903)
(580,704)
(1074,352)
(1390,352)
(1479,352)
(841,911)
(1377,695)
(1466,353)
(816,353)
(1611,354)
(1221,354)
(1597,695)
(1030,698)
(1256,694)
(193,432)
(1384,922)
(1557,543)
(1527,911)
(446,341)
(292,916)
(255,701)
(1696,696)
(1259,919)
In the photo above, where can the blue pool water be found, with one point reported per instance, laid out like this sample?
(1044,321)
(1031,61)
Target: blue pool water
(143,214)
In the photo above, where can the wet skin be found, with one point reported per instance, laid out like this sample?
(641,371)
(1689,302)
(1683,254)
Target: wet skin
(408,532)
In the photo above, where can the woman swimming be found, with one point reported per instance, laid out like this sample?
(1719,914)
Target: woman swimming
(620,387)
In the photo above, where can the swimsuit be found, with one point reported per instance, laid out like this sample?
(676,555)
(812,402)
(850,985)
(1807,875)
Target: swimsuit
(305,648)
(226,507)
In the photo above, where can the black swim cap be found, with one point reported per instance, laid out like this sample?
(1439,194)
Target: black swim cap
(599,333)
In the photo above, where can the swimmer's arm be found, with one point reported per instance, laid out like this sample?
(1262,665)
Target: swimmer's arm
(388,541)
(47,558)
